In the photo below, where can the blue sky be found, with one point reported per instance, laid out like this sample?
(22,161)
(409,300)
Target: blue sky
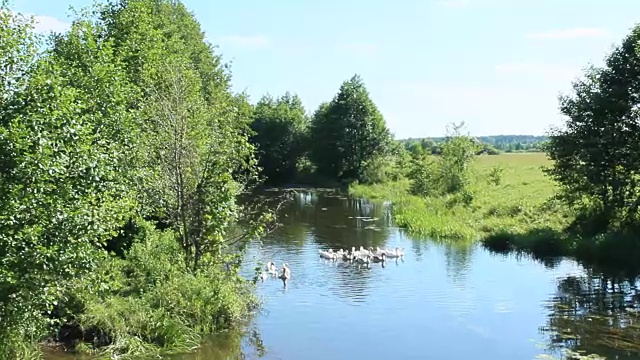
(498,65)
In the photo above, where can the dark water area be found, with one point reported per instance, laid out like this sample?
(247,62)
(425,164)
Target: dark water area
(440,301)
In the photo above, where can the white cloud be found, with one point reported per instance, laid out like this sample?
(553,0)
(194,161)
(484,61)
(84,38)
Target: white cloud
(258,41)
(574,33)
(45,24)
(554,71)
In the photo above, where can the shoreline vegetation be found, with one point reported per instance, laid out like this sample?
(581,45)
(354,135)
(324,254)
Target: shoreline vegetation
(124,156)
(580,197)
(515,211)
(129,170)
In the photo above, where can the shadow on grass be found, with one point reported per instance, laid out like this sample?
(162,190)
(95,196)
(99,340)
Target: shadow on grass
(611,253)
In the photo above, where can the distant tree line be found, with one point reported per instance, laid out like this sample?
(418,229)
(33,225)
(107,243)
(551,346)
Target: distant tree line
(491,145)
(345,139)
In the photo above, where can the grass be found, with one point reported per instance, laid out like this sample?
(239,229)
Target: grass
(518,213)
(517,204)
(148,304)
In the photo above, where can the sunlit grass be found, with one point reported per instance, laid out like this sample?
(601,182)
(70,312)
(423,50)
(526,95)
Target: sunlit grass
(517,205)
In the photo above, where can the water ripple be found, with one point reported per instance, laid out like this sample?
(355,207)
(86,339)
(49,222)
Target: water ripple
(438,295)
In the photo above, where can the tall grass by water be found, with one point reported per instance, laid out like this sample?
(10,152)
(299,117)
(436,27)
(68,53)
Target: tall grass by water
(150,306)
(509,194)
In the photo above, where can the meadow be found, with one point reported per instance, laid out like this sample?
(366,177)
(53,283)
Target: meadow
(510,194)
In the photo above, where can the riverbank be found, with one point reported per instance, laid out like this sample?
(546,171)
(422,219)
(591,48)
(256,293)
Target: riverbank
(148,303)
(511,211)
(514,203)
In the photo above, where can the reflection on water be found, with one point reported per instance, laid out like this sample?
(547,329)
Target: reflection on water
(442,302)
(596,314)
(245,344)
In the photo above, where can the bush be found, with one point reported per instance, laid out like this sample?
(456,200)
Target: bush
(151,303)
(423,176)
(495,175)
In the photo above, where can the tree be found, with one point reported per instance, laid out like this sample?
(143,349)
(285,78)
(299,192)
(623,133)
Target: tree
(451,170)
(349,133)
(63,187)
(280,127)
(18,49)
(457,154)
(415,149)
(128,114)
(596,156)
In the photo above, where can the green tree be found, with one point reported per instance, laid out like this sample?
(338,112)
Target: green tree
(18,49)
(349,133)
(457,154)
(280,127)
(596,154)
(195,130)
(415,149)
(63,187)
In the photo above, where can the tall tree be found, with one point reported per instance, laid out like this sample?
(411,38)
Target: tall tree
(280,127)
(348,133)
(596,156)
(194,128)
(18,49)
(64,146)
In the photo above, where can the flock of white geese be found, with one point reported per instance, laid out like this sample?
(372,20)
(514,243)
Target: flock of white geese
(272,271)
(361,256)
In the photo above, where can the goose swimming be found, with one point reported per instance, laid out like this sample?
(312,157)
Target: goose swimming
(379,258)
(329,255)
(364,259)
(272,269)
(286,274)
(395,253)
(364,251)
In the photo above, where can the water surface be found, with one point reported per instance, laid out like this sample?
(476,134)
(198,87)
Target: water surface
(439,302)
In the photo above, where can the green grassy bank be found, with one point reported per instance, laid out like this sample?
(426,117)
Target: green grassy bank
(511,211)
(147,304)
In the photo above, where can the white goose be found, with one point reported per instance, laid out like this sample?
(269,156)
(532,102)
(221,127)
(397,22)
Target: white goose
(286,274)
(364,259)
(364,251)
(264,276)
(329,255)
(379,258)
(272,269)
(395,253)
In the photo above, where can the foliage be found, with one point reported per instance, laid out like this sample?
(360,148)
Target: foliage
(129,114)
(195,131)
(519,204)
(192,182)
(495,175)
(455,160)
(64,148)
(391,167)
(151,305)
(280,127)
(424,177)
(18,50)
(491,145)
(348,134)
(595,156)
(448,173)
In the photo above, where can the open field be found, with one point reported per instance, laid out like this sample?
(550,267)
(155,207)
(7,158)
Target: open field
(518,204)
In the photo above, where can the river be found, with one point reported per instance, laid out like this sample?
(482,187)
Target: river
(439,302)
